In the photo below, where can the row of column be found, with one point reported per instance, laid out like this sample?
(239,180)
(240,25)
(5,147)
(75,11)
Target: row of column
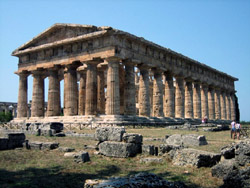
(188,99)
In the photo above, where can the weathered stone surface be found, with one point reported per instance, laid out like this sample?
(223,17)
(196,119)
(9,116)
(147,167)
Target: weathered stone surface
(4,143)
(12,140)
(49,145)
(90,147)
(237,178)
(151,160)
(66,149)
(35,145)
(109,134)
(148,149)
(118,149)
(175,139)
(82,156)
(228,152)
(165,148)
(224,168)
(70,154)
(242,152)
(186,140)
(42,145)
(140,180)
(132,138)
(195,158)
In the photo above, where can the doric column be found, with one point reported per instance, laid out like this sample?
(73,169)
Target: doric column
(113,90)
(232,102)
(70,91)
(169,96)
(211,104)
(217,104)
(22,106)
(100,92)
(129,90)
(144,101)
(228,106)
(223,106)
(91,88)
(157,94)
(82,92)
(179,97)
(188,99)
(37,106)
(204,101)
(121,87)
(53,107)
(197,100)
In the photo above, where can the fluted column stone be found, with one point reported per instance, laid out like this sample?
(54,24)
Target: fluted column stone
(37,106)
(100,92)
(169,96)
(217,104)
(188,99)
(179,97)
(70,91)
(22,105)
(53,107)
(82,93)
(204,101)
(228,106)
(129,90)
(113,90)
(144,101)
(91,88)
(157,94)
(223,106)
(232,102)
(197,100)
(211,103)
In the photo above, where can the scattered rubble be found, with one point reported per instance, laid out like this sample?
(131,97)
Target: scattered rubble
(139,180)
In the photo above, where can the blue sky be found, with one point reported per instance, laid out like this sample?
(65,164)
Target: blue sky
(215,32)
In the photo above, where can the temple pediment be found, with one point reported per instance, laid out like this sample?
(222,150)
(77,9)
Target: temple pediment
(58,32)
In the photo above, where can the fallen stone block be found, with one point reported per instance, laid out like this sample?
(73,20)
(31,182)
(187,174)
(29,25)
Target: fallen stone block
(82,156)
(70,154)
(132,138)
(223,168)
(242,152)
(197,158)
(228,152)
(148,149)
(15,140)
(165,148)
(151,160)
(66,149)
(49,145)
(109,134)
(237,178)
(35,145)
(56,126)
(4,143)
(47,132)
(186,140)
(118,149)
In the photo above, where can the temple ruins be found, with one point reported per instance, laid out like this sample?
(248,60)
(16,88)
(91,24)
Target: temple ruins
(112,77)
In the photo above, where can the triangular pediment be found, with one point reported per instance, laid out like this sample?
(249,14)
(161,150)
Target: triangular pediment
(58,32)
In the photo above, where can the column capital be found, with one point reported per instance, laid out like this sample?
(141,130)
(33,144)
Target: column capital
(22,73)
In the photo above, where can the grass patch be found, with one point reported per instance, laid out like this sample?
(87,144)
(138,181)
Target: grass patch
(32,168)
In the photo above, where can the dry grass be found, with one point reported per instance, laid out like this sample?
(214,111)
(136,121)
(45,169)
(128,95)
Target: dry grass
(31,168)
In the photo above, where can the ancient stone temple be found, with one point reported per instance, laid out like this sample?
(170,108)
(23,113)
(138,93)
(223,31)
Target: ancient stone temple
(113,77)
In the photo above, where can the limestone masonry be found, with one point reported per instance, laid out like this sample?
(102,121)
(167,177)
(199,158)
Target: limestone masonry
(123,80)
